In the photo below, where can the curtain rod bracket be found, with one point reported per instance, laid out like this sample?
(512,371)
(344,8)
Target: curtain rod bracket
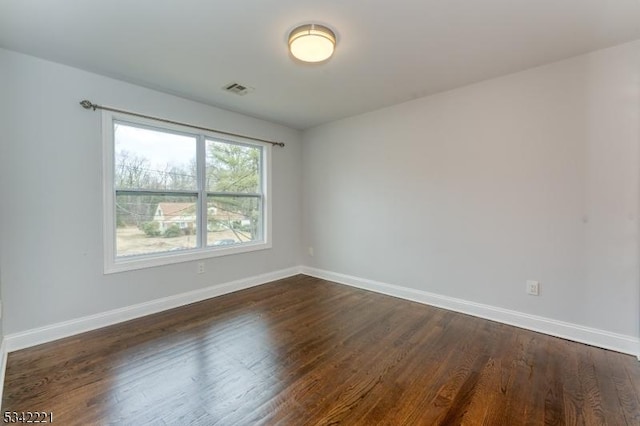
(87,104)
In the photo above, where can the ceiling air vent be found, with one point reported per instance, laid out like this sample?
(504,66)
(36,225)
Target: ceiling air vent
(238,89)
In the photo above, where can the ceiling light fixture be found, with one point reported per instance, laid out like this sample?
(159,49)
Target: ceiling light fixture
(312,43)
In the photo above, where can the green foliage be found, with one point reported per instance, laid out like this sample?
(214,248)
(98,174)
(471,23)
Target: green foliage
(151,229)
(214,225)
(172,232)
(232,168)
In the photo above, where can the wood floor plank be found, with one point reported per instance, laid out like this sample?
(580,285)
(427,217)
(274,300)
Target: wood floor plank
(606,387)
(628,395)
(304,351)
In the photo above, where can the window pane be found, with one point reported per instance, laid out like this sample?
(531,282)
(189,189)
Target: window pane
(233,168)
(233,220)
(151,159)
(155,223)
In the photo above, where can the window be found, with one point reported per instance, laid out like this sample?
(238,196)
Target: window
(173,194)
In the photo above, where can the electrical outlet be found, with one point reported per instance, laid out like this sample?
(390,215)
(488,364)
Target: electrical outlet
(201,267)
(533,288)
(311,251)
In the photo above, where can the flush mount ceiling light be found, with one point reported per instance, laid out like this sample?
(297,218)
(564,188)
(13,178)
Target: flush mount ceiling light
(312,43)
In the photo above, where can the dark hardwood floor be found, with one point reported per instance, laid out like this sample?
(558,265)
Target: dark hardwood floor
(305,351)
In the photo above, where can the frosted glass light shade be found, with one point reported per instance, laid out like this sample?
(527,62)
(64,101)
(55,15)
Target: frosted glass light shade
(312,43)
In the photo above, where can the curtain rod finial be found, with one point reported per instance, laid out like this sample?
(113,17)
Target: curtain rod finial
(87,104)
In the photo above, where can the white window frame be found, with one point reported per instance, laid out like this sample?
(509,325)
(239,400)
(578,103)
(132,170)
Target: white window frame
(112,263)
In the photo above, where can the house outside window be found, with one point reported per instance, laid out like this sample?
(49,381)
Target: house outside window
(173,194)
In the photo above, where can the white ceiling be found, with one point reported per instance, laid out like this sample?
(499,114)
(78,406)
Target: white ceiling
(388,51)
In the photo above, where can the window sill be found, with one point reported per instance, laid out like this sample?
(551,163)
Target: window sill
(169,258)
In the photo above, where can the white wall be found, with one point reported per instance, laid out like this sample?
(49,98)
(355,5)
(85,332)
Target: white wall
(50,183)
(467,193)
(471,192)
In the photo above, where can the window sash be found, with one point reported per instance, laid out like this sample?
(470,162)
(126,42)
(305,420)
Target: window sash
(148,230)
(258,197)
(155,192)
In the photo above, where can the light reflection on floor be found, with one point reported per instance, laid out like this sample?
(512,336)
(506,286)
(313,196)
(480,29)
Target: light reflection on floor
(230,363)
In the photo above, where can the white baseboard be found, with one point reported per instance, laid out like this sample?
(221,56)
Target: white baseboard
(36,336)
(591,336)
